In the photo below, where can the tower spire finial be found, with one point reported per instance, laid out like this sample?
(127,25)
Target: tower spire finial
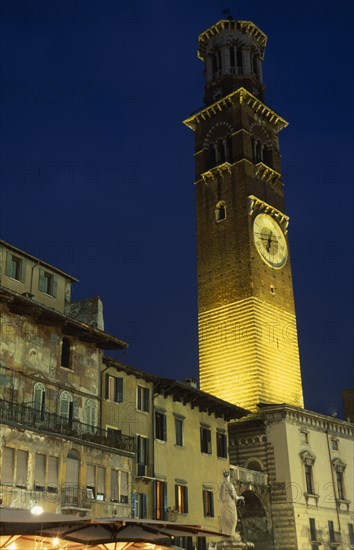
(227,12)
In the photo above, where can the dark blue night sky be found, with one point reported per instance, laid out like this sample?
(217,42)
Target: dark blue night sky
(97,169)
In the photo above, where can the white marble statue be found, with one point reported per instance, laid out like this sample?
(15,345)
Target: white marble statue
(228,499)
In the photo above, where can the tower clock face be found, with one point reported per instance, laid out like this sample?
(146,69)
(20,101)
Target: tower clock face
(270,241)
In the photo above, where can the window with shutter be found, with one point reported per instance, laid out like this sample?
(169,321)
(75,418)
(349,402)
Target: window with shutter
(118,397)
(124,487)
(114,486)
(160,426)
(72,471)
(64,404)
(91,481)
(179,431)
(48,283)
(15,267)
(143,399)
(8,466)
(205,440)
(91,413)
(142,450)
(101,483)
(53,469)
(221,444)
(40,472)
(21,473)
(38,396)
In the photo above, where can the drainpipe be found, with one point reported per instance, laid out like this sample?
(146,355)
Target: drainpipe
(333,480)
(32,270)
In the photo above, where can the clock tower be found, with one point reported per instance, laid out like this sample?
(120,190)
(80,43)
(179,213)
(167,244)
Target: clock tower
(248,347)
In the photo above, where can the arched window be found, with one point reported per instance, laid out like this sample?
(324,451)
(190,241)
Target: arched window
(268,157)
(254,464)
(239,58)
(39,396)
(65,353)
(254,64)
(211,159)
(220,211)
(66,405)
(91,413)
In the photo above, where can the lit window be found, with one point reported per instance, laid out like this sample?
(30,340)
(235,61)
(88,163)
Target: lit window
(143,399)
(181,499)
(205,440)
(179,431)
(208,503)
(221,444)
(114,388)
(15,267)
(160,426)
(47,283)
(161,499)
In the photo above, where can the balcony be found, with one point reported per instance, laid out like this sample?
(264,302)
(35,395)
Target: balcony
(145,472)
(251,477)
(29,417)
(74,498)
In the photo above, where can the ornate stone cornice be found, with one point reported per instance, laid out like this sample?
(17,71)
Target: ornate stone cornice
(265,173)
(246,26)
(257,205)
(308,419)
(241,95)
(217,172)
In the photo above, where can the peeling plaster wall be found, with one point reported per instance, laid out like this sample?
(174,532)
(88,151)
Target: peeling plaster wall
(31,353)
(36,443)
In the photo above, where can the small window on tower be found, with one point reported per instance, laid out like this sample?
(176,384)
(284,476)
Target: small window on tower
(220,212)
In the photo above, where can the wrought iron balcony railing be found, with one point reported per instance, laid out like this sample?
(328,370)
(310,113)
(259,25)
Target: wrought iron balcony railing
(31,417)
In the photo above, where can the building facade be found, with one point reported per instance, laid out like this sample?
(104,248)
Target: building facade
(54,451)
(308,460)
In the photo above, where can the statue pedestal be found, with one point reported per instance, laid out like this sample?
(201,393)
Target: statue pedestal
(233,544)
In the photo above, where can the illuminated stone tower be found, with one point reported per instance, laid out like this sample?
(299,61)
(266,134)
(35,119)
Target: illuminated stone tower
(248,348)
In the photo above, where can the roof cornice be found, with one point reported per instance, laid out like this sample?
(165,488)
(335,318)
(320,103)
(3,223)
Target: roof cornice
(241,95)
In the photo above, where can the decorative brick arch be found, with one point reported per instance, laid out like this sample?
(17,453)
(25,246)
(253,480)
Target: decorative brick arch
(255,521)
